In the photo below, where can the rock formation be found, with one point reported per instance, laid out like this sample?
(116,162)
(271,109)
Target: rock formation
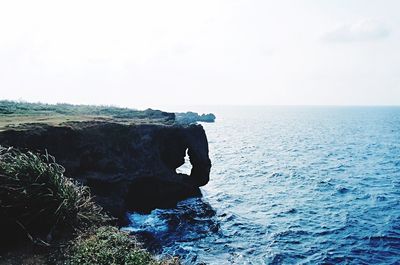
(127,166)
(193,117)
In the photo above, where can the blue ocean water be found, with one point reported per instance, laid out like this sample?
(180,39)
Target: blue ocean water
(290,185)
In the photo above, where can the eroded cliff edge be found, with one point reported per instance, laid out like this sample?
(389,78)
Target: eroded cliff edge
(127,166)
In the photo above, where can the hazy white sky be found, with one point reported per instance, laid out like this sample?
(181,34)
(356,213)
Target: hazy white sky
(155,52)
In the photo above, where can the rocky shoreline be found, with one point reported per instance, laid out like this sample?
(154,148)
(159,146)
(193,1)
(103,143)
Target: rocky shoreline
(127,167)
(128,160)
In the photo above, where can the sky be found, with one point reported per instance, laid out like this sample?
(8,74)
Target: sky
(156,53)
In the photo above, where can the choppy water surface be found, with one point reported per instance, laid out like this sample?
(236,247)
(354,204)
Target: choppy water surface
(290,185)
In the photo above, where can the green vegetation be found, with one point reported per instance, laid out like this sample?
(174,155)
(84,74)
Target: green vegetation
(108,245)
(35,195)
(24,108)
(13,114)
(37,199)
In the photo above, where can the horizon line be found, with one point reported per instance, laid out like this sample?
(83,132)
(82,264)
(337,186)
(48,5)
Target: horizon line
(206,105)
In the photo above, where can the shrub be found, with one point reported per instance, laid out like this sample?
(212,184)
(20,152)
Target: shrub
(38,198)
(107,245)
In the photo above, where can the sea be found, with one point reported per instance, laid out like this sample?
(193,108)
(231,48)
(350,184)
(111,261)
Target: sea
(289,185)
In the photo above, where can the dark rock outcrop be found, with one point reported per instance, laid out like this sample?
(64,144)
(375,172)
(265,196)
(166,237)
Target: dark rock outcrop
(193,117)
(127,167)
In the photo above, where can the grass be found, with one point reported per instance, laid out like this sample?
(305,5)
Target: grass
(30,109)
(109,246)
(38,198)
(14,114)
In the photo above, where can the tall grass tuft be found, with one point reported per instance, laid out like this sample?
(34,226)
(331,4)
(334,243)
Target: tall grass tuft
(109,246)
(36,196)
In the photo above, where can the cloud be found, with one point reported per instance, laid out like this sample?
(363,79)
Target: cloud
(363,30)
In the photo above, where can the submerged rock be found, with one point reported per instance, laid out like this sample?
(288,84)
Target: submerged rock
(127,166)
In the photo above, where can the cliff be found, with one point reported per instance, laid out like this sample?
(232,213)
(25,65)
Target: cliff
(128,166)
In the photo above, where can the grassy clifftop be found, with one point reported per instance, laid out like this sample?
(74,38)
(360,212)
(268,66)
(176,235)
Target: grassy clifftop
(13,114)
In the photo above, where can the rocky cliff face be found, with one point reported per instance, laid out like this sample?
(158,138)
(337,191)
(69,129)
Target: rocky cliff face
(127,167)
